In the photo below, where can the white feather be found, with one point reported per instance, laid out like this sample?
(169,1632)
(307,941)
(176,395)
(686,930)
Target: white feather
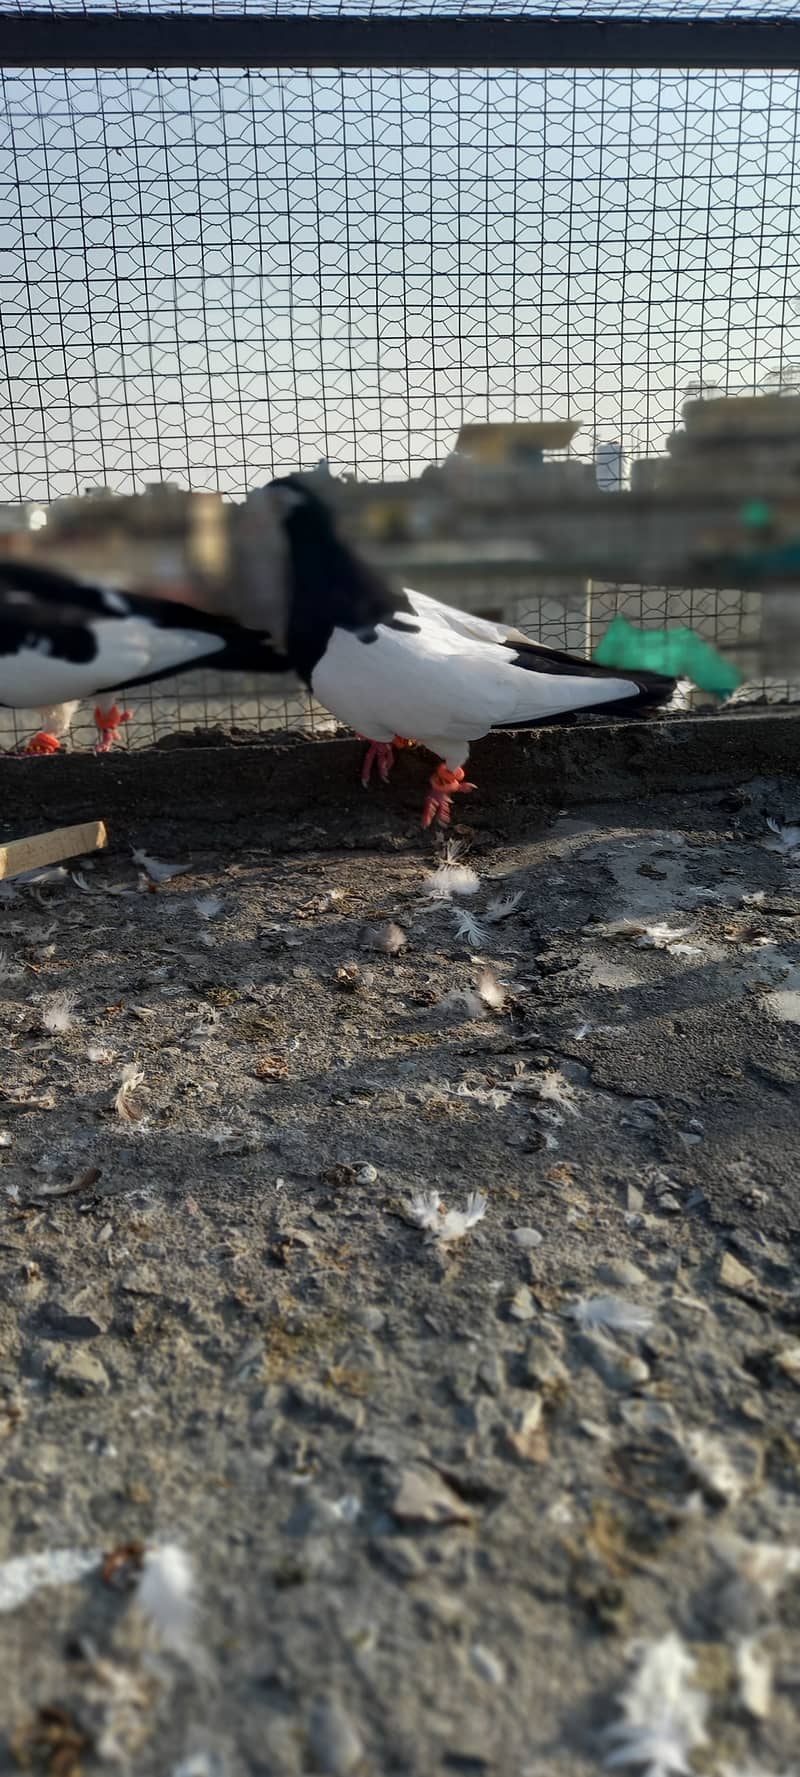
(154,868)
(423,1208)
(166,1595)
(610,1314)
(501,907)
(663,1715)
(469,926)
(450,879)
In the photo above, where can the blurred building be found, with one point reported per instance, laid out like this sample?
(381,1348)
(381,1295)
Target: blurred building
(610,466)
(744,445)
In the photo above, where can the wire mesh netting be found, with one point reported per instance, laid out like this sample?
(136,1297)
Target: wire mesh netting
(211,277)
(635,9)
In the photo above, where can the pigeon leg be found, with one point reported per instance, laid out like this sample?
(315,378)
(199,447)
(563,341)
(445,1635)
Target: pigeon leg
(380,754)
(107,722)
(444,785)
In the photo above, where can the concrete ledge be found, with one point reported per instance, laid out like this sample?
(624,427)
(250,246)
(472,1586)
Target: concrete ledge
(284,790)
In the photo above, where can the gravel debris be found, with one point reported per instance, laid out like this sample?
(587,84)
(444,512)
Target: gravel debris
(433,1375)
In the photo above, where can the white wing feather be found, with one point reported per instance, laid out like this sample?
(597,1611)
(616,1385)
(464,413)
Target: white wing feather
(444,682)
(127,649)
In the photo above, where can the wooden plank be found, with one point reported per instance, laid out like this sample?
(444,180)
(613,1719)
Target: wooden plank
(51,848)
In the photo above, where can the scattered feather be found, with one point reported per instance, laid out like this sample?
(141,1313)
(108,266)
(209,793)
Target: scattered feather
(57,1013)
(496,1097)
(40,877)
(502,906)
(457,1222)
(491,991)
(132,1079)
(155,870)
(81,882)
(424,1209)
(462,1003)
(553,1089)
(390,939)
(227,1139)
(648,937)
(208,906)
(166,1595)
(450,879)
(783,838)
(759,1572)
(100,1056)
(610,1314)
(25,1574)
(467,926)
(663,1715)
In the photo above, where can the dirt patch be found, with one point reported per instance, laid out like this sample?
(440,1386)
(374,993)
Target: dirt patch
(428,1489)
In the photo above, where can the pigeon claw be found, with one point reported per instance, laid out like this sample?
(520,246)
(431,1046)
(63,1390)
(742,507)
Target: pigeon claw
(107,722)
(380,754)
(445,784)
(42,743)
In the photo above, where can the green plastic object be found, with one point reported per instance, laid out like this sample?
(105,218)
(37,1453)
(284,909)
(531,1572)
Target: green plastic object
(678,653)
(757,514)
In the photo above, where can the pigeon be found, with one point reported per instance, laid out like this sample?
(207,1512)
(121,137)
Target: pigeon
(399,667)
(62,640)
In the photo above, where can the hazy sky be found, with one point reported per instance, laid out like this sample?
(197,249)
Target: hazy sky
(214,278)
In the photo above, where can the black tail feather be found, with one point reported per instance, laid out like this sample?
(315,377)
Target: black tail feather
(653,689)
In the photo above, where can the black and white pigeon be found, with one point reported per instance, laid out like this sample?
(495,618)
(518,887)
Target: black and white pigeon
(62,640)
(399,667)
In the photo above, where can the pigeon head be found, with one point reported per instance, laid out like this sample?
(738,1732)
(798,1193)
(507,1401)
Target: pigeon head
(300,509)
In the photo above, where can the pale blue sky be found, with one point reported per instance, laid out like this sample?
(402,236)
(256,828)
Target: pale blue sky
(212,279)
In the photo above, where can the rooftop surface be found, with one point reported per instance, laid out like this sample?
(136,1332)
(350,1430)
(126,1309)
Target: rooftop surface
(430,1489)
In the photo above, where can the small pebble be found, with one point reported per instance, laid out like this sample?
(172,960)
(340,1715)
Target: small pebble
(522,1305)
(371,1319)
(735,1276)
(402,1556)
(526,1435)
(527,1238)
(491,1373)
(486,1664)
(620,1369)
(788,1362)
(621,1271)
(335,1741)
(422,1497)
(80,1371)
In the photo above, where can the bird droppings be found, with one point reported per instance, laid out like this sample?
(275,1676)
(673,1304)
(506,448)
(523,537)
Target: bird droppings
(424,1486)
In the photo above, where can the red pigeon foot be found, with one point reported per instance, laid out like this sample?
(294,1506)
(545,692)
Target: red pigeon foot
(445,784)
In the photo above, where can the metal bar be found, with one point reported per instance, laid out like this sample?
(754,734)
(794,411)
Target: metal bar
(181,40)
